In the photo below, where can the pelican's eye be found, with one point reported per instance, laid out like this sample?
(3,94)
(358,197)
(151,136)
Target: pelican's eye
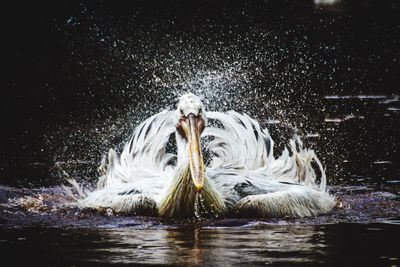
(181,111)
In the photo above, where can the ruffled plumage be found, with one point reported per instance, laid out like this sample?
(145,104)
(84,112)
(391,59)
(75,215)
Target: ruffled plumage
(241,168)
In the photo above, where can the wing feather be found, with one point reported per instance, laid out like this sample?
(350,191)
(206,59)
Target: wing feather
(244,154)
(143,164)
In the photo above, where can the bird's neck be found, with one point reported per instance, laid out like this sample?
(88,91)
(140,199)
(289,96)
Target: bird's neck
(181,195)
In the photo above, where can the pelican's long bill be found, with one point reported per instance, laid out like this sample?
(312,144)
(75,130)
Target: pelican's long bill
(193,127)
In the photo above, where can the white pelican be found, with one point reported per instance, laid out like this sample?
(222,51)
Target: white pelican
(242,177)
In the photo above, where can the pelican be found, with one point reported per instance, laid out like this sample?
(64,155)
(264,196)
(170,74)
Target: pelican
(242,178)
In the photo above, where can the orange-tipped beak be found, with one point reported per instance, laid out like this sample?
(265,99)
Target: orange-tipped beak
(193,126)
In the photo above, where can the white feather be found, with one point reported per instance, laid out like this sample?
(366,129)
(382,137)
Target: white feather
(243,170)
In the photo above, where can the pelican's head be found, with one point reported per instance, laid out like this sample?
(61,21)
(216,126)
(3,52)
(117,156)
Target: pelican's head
(191,121)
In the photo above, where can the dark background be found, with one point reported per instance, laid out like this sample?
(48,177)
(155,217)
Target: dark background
(67,70)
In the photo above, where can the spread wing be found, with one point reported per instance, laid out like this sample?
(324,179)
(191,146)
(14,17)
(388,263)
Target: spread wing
(142,168)
(243,159)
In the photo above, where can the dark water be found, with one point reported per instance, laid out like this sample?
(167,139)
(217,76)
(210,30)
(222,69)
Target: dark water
(342,244)
(81,75)
(364,231)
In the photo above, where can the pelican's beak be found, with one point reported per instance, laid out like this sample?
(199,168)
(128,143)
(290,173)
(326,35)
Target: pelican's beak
(193,127)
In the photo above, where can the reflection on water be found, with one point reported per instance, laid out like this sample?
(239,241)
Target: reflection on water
(210,246)
(255,245)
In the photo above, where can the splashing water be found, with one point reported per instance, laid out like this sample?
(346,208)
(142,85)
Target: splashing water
(224,71)
(197,209)
(250,69)
(202,211)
